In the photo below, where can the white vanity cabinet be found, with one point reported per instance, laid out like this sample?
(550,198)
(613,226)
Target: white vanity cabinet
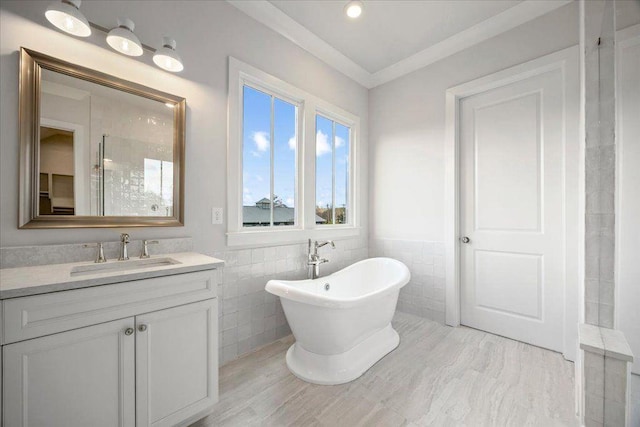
(138,353)
(84,377)
(176,363)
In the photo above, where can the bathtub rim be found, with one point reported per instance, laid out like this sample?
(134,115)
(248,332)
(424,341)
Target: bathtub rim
(286,288)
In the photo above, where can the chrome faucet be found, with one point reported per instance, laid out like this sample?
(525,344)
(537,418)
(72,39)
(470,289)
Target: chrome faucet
(314,260)
(124,240)
(100,254)
(145,248)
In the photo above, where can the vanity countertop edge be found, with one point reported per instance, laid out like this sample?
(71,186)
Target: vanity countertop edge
(28,281)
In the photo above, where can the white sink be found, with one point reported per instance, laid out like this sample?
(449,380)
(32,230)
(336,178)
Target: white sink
(121,266)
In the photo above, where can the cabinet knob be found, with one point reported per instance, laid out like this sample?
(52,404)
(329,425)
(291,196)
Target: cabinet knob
(142,328)
(128,331)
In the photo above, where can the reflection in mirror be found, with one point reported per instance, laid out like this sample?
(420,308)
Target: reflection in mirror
(56,172)
(97,150)
(103,151)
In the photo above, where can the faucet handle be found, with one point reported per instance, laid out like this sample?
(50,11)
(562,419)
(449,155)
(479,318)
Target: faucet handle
(145,248)
(100,256)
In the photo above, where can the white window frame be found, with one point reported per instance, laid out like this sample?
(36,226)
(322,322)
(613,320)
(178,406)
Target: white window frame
(308,106)
(345,121)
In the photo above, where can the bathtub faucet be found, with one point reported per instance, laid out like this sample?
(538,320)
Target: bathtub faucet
(314,259)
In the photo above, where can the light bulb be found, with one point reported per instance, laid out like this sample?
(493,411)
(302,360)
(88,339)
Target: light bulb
(66,16)
(167,58)
(353,9)
(123,39)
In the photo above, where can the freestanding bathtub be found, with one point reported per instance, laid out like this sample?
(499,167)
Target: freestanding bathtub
(342,322)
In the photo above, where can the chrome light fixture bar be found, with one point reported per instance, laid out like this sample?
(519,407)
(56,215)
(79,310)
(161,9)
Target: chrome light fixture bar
(66,16)
(123,40)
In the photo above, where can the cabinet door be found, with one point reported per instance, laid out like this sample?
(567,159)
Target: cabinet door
(176,363)
(83,377)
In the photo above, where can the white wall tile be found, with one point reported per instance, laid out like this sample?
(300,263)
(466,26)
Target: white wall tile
(251,316)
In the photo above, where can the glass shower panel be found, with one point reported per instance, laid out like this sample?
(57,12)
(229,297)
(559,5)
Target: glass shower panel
(134,178)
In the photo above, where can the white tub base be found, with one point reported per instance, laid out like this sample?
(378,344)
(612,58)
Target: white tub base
(343,367)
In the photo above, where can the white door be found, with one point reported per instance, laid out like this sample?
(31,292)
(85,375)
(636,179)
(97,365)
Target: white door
(628,191)
(511,209)
(83,377)
(176,363)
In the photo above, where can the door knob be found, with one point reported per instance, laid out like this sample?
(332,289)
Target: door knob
(128,331)
(142,328)
(465,239)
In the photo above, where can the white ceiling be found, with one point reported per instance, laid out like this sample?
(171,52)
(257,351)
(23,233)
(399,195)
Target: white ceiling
(392,37)
(389,31)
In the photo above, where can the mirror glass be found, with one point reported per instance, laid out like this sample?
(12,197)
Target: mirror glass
(97,150)
(103,151)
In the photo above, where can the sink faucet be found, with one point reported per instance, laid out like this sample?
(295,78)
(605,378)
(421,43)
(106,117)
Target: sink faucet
(124,240)
(145,248)
(100,258)
(314,260)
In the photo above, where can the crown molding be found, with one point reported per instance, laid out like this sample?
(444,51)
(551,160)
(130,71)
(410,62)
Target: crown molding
(500,23)
(269,15)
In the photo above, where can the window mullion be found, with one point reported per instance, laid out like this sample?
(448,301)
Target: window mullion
(271,152)
(333,171)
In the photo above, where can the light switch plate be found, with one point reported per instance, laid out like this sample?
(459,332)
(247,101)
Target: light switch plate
(216,216)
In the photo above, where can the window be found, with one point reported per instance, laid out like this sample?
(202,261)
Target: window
(291,160)
(158,185)
(332,170)
(268,169)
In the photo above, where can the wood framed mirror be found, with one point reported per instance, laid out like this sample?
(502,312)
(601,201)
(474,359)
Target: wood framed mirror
(97,150)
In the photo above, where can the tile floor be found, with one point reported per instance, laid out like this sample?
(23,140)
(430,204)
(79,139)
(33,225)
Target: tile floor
(437,376)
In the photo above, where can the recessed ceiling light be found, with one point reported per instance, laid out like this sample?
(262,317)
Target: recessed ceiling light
(353,9)
(66,16)
(123,39)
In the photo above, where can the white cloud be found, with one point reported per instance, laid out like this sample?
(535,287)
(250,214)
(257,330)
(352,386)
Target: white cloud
(261,140)
(259,178)
(339,141)
(322,144)
(292,143)
(290,201)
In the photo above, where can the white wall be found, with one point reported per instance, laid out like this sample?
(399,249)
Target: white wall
(407,121)
(207,32)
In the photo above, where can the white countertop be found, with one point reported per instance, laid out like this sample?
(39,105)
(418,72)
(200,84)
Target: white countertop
(26,281)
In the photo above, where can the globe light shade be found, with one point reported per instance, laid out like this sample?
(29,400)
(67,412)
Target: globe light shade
(167,58)
(123,40)
(66,16)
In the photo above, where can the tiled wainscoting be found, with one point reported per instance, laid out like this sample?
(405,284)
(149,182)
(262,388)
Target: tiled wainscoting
(251,317)
(424,294)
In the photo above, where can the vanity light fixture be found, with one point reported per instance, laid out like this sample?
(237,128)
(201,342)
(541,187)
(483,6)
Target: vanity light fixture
(123,39)
(66,16)
(353,9)
(167,58)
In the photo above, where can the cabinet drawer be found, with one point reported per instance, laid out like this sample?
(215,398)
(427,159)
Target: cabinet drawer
(35,316)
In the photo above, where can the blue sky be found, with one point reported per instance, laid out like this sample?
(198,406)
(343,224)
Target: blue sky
(257,152)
